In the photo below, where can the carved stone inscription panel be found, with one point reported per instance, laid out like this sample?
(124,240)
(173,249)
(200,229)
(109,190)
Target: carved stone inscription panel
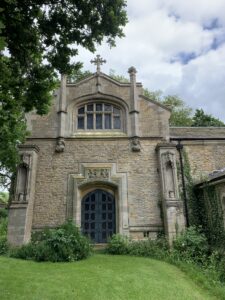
(97,173)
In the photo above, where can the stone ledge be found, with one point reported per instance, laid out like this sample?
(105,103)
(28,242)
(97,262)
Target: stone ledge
(29,147)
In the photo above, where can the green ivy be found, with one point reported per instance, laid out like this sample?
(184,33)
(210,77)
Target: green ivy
(212,216)
(204,207)
(192,201)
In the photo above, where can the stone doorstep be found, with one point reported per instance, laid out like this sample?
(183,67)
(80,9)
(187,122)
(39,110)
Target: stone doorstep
(100,246)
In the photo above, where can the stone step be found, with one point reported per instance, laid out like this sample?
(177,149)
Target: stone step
(99,246)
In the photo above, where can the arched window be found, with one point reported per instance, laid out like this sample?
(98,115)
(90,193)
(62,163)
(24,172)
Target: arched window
(99,116)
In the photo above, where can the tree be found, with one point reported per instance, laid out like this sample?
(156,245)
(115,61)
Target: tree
(77,75)
(37,41)
(181,114)
(200,118)
(4,197)
(120,78)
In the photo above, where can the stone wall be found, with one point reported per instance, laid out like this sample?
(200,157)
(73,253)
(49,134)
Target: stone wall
(45,126)
(197,132)
(153,119)
(205,147)
(140,167)
(137,182)
(107,86)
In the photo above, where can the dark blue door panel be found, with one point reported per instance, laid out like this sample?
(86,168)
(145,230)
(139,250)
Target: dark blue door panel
(98,216)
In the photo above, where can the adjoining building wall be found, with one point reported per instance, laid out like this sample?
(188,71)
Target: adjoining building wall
(205,147)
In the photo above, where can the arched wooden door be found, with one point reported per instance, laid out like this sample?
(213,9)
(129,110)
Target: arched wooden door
(98,216)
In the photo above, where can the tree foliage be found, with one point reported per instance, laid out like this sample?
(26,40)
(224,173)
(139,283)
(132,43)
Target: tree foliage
(181,114)
(77,75)
(4,197)
(120,78)
(200,118)
(37,41)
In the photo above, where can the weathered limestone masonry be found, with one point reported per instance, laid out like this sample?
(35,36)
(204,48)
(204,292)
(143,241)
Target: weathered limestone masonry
(172,205)
(205,147)
(103,157)
(22,207)
(216,181)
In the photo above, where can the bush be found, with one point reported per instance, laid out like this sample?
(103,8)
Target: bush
(216,265)
(191,246)
(3,213)
(3,227)
(62,244)
(149,248)
(118,244)
(3,245)
(26,251)
(3,231)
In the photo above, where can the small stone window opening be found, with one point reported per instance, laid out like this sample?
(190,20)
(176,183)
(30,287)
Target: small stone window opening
(99,116)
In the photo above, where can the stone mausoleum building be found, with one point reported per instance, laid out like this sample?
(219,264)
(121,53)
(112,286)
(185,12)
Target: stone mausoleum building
(106,157)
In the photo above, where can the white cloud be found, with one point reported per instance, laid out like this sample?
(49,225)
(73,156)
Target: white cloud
(196,10)
(202,83)
(161,31)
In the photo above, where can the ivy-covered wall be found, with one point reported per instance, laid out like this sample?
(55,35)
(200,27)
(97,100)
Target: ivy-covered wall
(210,214)
(204,205)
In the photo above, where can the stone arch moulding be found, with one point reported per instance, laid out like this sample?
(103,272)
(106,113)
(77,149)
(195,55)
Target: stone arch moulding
(97,97)
(93,176)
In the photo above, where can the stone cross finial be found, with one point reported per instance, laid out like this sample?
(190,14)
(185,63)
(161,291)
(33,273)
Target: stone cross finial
(98,61)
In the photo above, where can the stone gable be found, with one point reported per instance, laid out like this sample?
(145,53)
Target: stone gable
(106,157)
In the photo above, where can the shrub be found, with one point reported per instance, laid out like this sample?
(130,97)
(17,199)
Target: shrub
(216,265)
(149,248)
(191,246)
(26,251)
(3,227)
(118,244)
(3,213)
(42,235)
(3,231)
(3,245)
(62,244)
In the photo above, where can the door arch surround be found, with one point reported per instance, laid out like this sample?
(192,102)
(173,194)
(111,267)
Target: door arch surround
(98,215)
(79,184)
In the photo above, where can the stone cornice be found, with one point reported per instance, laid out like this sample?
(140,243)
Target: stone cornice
(29,147)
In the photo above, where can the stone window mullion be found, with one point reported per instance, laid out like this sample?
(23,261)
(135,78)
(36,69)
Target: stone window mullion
(105,116)
(85,117)
(103,121)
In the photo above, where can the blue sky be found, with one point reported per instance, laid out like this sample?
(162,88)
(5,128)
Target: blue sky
(177,46)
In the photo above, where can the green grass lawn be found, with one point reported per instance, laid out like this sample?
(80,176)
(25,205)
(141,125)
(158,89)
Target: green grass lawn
(101,277)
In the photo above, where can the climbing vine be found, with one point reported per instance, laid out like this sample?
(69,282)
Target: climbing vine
(204,206)
(212,216)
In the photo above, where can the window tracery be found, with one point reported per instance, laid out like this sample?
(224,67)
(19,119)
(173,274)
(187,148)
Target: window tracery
(99,116)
